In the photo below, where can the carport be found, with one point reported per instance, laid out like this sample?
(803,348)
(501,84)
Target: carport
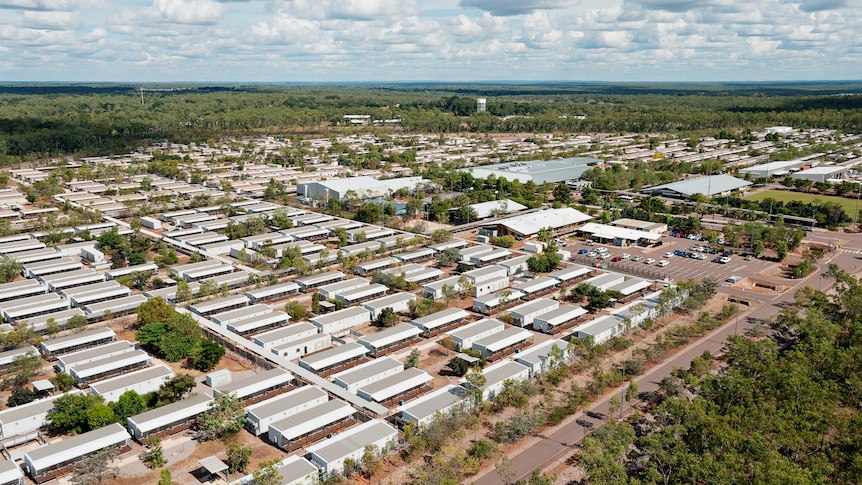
(214,468)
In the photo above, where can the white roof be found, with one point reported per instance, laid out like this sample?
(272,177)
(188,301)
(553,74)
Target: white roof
(394,385)
(609,232)
(501,371)
(328,358)
(313,418)
(272,378)
(171,413)
(352,440)
(598,325)
(533,222)
(440,318)
(561,315)
(533,306)
(630,286)
(486,209)
(439,400)
(540,352)
(824,170)
(390,336)
(708,186)
(390,300)
(291,399)
(500,340)
(537,284)
(476,328)
(570,273)
(77,446)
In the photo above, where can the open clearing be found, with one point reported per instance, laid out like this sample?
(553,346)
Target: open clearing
(849,205)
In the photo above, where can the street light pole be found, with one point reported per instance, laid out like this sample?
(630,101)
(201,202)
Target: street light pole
(622,393)
(856,215)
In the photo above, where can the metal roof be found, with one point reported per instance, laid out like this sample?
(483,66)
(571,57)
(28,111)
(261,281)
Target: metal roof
(442,317)
(708,186)
(352,440)
(476,328)
(390,300)
(265,380)
(487,209)
(78,338)
(614,232)
(540,352)
(532,223)
(368,370)
(334,355)
(391,335)
(571,272)
(288,400)
(77,446)
(500,340)
(560,315)
(132,378)
(339,315)
(501,371)
(183,409)
(439,400)
(540,171)
(536,305)
(314,418)
(395,384)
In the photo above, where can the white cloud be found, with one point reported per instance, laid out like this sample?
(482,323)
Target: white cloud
(515,7)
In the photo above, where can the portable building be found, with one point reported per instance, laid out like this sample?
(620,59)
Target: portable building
(169,419)
(293,470)
(488,303)
(219,305)
(109,367)
(45,268)
(333,289)
(259,241)
(557,318)
(207,272)
(508,339)
(143,381)
(416,255)
(273,292)
(423,411)
(179,271)
(235,279)
(91,294)
(259,416)
(259,386)
(77,341)
(638,311)
(308,425)
(494,256)
(61,318)
(11,473)
(368,233)
(434,290)
(524,314)
(116,307)
(169,293)
(600,329)
(72,279)
(363,294)
(334,359)
(516,265)
(259,323)
(605,281)
(341,321)
(497,374)
(307,283)
(397,302)
(536,286)
(29,417)
(10,248)
(440,321)
(391,338)
(570,274)
(538,358)
(34,306)
(222,247)
(151,223)
(364,374)
(487,273)
(631,286)
(86,356)
(300,347)
(466,335)
(466,253)
(287,334)
(55,459)
(331,453)
(369,267)
(8,358)
(36,255)
(118,272)
(21,289)
(451,244)
(244,313)
(384,390)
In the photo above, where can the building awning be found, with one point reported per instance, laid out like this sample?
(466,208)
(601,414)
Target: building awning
(214,466)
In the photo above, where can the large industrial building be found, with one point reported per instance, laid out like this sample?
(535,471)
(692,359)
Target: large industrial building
(710,186)
(363,187)
(540,171)
(561,221)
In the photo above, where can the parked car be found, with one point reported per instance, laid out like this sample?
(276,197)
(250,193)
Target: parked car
(583,251)
(749,257)
(733,278)
(601,250)
(716,259)
(808,228)
(625,256)
(649,261)
(724,259)
(668,254)
(663,262)
(592,254)
(617,259)
(605,255)
(721,240)
(637,258)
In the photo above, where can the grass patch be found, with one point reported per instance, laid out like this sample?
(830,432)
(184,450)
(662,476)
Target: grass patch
(849,205)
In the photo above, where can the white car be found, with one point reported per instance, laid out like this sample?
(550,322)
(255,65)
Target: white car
(663,262)
(649,261)
(625,255)
(637,258)
(602,250)
(668,254)
(724,260)
(605,255)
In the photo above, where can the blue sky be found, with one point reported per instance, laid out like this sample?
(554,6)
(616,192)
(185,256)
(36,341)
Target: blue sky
(429,40)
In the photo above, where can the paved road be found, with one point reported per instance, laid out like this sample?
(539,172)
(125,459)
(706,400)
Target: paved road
(552,448)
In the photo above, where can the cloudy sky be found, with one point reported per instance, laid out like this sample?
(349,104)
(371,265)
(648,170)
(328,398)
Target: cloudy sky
(429,40)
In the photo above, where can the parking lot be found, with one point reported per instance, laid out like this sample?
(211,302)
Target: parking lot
(679,268)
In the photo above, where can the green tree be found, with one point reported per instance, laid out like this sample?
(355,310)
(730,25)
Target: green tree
(267,473)
(238,456)
(296,310)
(781,250)
(165,478)
(206,355)
(130,403)
(225,416)
(70,413)
(77,321)
(21,395)
(387,318)
(413,358)
(315,303)
(476,381)
(100,415)
(155,456)
(97,468)
(175,389)
(155,310)
(9,268)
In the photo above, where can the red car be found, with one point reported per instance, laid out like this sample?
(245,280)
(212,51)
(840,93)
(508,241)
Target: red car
(617,259)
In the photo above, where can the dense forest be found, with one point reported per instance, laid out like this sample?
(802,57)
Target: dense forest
(784,408)
(42,119)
